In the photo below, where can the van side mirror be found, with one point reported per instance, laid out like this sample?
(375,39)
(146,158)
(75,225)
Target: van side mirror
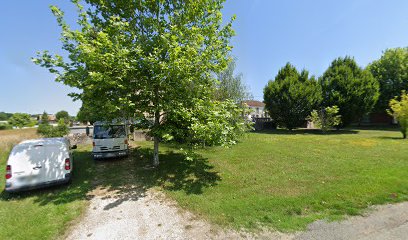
(74,146)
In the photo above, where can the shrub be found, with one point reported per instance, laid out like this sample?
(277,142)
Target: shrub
(399,110)
(47,130)
(5,126)
(291,97)
(20,120)
(325,118)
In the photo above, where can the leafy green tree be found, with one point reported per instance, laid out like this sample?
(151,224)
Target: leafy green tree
(399,110)
(291,97)
(143,58)
(62,115)
(391,71)
(20,120)
(5,116)
(230,86)
(326,118)
(352,89)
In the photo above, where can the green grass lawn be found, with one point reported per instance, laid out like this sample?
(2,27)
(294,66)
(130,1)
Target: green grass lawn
(283,180)
(286,180)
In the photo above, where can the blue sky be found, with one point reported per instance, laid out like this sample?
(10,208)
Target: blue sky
(309,34)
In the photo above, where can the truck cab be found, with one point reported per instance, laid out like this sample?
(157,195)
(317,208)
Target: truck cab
(109,140)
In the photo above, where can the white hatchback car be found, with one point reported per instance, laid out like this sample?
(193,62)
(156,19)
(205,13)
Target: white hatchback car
(39,163)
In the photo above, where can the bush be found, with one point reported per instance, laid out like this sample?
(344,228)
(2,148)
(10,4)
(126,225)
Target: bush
(20,120)
(49,131)
(326,118)
(5,126)
(399,110)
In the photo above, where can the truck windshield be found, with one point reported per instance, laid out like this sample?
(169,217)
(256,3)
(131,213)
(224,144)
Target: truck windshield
(109,131)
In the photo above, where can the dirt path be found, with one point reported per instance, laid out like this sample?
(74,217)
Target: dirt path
(152,216)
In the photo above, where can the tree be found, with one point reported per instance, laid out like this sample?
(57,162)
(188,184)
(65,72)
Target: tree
(291,97)
(325,118)
(152,59)
(399,110)
(44,118)
(391,71)
(5,116)
(62,115)
(231,87)
(352,89)
(46,130)
(20,120)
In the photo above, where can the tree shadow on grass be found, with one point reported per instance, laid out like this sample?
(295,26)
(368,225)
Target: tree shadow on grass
(308,131)
(393,128)
(392,138)
(128,179)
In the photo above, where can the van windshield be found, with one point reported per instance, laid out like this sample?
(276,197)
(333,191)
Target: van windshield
(109,131)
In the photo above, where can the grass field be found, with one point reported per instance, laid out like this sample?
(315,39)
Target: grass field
(286,180)
(283,180)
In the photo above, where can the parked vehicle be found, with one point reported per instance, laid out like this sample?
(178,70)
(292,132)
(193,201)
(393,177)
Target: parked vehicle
(110,140)
(39,163)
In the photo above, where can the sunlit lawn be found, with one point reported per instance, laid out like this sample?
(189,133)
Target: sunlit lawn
(286,180)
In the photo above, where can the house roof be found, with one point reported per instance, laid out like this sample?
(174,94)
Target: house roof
(254,103)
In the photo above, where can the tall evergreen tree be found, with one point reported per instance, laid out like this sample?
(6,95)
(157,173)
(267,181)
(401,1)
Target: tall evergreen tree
(291,96)
(346,85)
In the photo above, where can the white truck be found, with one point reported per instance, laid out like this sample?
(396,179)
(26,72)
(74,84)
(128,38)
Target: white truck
(110,140)
(39,163)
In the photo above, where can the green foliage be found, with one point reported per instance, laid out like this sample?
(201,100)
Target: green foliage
(352,89)
(62,115)
(5,116)
(399,110)
(20,120)
(4,126)
(325,118)
(286,180)
(391,71)
(44,118)
(212,123)
(92,111)
(142,57)
(49,131)
(291,97)
(231,87)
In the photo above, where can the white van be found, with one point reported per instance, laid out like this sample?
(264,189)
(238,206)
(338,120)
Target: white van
(109,140)
(39,163)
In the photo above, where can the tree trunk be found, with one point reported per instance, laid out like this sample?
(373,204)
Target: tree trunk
(404,135)
(156,140)
(156,152)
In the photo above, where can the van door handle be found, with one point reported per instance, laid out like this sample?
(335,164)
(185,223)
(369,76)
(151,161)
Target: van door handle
(37,167)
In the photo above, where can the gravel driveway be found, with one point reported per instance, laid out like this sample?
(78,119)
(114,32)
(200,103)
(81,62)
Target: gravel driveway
(152,216)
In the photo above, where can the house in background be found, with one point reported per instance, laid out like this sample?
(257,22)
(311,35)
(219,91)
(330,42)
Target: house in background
(257,109)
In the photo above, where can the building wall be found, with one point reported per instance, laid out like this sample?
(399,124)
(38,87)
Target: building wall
(257,112)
